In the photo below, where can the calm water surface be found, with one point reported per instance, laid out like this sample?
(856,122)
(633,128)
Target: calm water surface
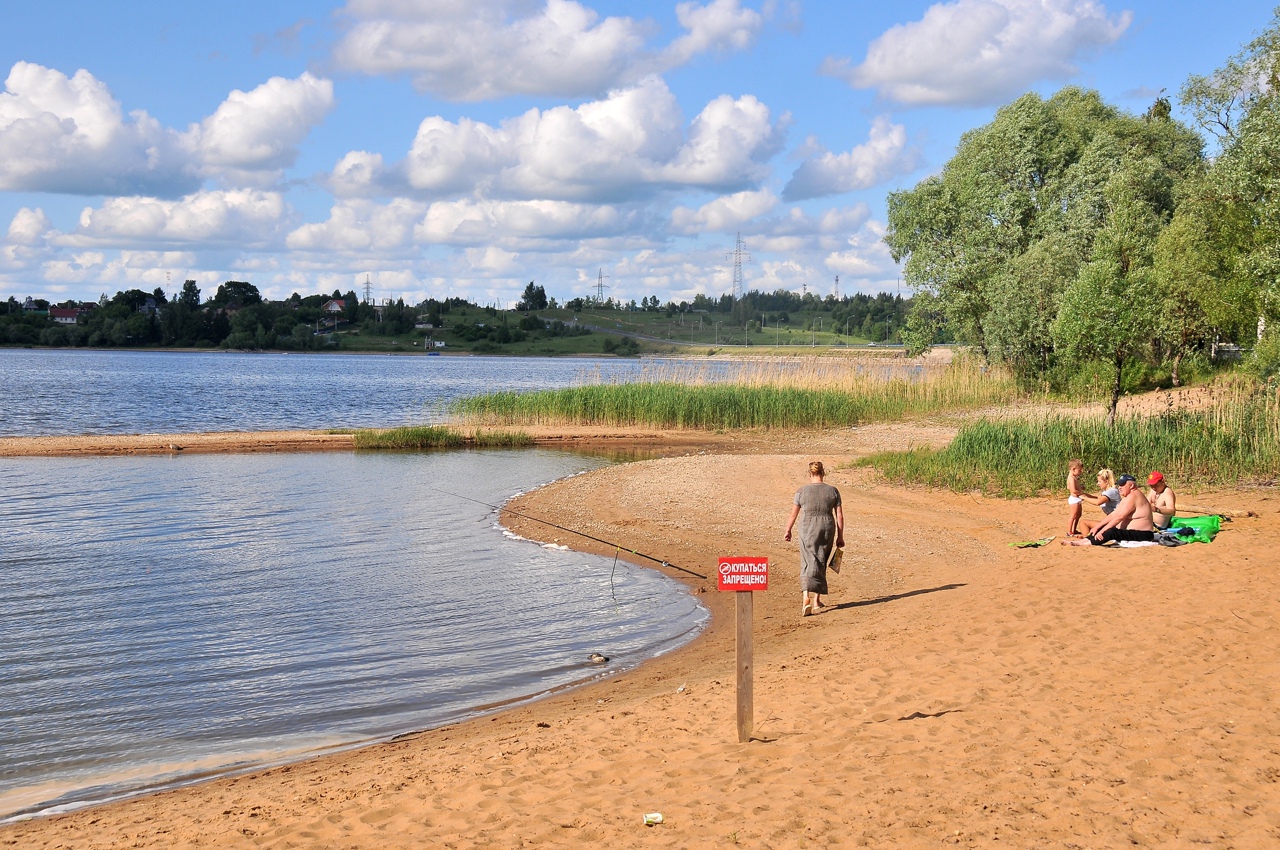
(168,618)
(163,619)
(48,392)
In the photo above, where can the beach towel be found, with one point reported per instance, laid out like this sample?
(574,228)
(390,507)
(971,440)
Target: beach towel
(1032,544)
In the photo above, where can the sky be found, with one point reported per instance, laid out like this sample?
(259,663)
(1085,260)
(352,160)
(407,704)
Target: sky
(463,148)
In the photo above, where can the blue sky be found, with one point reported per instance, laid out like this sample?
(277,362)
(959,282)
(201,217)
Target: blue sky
(466,147)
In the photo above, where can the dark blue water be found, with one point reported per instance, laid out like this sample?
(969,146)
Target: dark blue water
(168,618)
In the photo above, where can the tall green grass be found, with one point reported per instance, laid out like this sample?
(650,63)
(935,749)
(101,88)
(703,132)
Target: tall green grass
(766,394)
(1236,440)
(439,437)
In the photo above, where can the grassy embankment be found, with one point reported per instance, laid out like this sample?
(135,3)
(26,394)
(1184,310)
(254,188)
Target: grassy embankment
(772,393)
(1234,440)
(440,437)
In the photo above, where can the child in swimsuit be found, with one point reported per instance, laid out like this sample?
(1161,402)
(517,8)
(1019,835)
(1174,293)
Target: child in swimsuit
(1075,497)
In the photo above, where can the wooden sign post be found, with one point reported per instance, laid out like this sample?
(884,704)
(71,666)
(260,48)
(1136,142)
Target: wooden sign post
(743,576)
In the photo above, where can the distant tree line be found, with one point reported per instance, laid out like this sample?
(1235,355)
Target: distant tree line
(874,317)
(235,317)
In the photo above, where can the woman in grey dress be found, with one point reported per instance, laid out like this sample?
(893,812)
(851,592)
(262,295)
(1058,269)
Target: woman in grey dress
(821,525)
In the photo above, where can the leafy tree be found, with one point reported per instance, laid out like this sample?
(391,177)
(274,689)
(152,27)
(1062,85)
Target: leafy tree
(1239,104)
(190,294)
(1188,263)
(237,292)
(132,299)
(995,241)
(1109,309)
(534,298)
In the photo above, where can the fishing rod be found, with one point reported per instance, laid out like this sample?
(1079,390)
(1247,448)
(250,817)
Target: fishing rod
(664,563)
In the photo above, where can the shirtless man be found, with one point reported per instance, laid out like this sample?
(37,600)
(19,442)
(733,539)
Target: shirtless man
(1131,520)
(1163,502)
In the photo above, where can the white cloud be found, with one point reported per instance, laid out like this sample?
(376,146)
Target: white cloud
(361,226)
(492,260)
(976,52)
(865,255)
(27,239)
(240,218)
(630,143)
(125,269)
(719,25)
(253,136)
(69,134)
(468,222)
(724,214)
(729,144)
(29,228)
(447,158)
(359,174)
(884,155)
(487,49)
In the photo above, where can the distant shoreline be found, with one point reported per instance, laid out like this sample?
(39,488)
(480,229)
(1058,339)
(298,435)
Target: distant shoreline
(585,438)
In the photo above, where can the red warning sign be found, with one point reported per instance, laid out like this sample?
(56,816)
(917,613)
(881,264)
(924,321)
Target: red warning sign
(743,574)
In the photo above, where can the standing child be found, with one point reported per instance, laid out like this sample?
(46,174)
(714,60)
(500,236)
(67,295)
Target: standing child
(1075,496)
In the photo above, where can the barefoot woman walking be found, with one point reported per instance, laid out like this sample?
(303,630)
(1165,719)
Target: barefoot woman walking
(821,525)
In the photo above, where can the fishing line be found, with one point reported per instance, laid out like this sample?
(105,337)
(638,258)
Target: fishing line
(616,547)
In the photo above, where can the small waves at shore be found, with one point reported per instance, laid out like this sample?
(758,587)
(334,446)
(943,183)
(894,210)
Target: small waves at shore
(163,618)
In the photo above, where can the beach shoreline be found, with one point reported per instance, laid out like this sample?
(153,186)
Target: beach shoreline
(956,691)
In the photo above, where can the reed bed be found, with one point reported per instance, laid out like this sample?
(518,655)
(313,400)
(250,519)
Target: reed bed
(440,437)
(1234,440)
(765,393)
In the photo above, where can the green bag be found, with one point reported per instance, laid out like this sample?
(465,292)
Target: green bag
(1205,528)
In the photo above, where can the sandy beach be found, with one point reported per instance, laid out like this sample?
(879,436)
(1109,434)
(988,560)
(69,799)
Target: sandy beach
(956,691)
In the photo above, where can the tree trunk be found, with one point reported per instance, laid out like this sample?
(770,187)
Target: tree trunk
(1177,358)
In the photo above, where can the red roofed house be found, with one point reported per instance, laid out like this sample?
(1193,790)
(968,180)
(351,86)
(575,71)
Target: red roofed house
(65,315)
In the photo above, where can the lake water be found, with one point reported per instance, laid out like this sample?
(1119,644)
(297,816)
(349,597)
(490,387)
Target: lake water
(46,392)
(164,619)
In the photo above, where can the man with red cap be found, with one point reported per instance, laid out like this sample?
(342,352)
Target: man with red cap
(1163,502)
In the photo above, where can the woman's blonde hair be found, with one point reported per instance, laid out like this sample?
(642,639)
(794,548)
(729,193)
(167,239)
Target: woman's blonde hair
(815,468)
(1107,477)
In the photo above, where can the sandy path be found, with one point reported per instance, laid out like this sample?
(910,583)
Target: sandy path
(625,440)
(957,692)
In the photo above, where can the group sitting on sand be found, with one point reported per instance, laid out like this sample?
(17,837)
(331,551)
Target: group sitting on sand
(1130,515)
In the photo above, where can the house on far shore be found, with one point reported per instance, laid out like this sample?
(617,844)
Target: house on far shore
(335,305)
(65,315)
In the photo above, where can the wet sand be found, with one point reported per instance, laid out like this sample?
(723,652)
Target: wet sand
(956,691)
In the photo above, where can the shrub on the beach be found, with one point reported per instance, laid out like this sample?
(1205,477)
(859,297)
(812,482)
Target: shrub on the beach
(1235,440)
(776,393)
(439,437)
